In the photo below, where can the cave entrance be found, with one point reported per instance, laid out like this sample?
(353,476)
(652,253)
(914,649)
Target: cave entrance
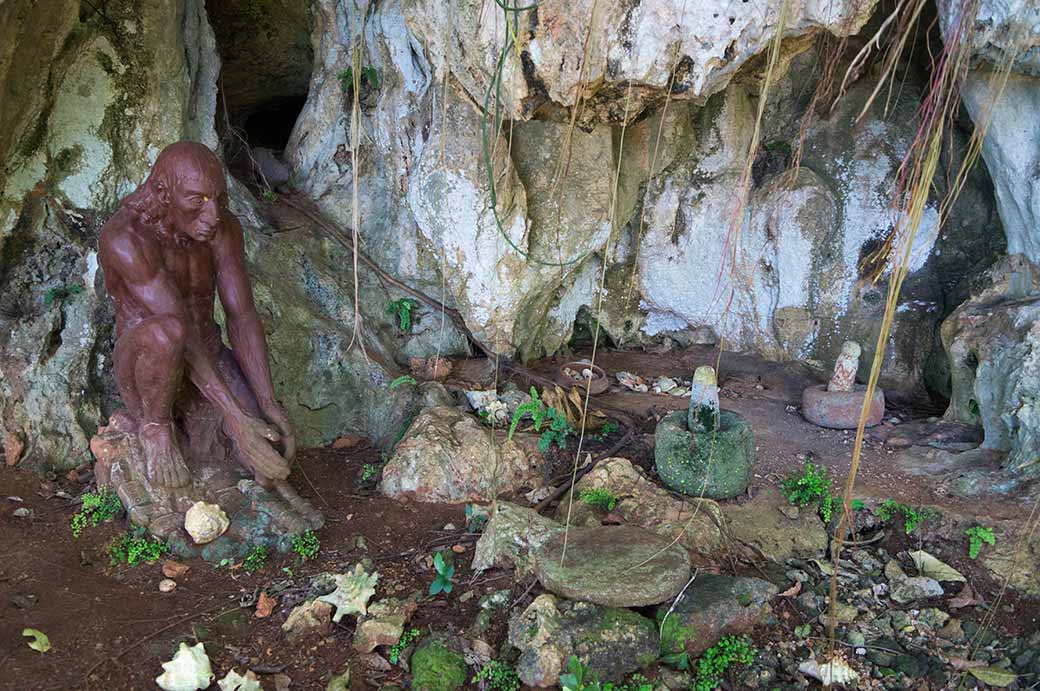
(266,63)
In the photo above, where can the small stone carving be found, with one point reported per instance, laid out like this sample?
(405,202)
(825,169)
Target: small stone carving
(844,377)
(703,413)
(205,522)
(839,403)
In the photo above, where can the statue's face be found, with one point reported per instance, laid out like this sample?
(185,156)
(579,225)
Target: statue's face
(196,203)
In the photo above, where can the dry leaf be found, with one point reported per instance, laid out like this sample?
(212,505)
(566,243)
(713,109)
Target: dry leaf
(929,566)
(994,676)
(347,441)
(793,590)
(966,598)
(265,604)
(962,665)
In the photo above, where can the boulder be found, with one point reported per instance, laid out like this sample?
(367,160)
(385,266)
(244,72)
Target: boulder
(611,642)
(448,456)
(382,624)
(512,537)
(437,666)
(765,524)
(711,607)
(618,566)
(713,464)
(695,522)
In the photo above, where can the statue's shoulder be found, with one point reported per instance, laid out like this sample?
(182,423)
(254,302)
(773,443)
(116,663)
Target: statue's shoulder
(122,242)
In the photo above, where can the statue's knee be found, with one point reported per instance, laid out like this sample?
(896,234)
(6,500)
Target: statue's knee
(169,334)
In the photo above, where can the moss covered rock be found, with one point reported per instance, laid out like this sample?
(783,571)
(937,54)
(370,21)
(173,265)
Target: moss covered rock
(436,667)
(716,465)
(711,607)
(611,641)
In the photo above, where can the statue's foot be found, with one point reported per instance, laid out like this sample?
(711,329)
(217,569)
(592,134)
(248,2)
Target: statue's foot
(164,463)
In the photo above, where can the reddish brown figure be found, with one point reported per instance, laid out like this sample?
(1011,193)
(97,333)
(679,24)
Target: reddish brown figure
(169,250)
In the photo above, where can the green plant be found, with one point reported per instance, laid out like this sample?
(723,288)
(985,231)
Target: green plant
(719,658)
(557,431)
(637,682)
(497,676)
(578,677)
(609,427)
(810,485)
(599,498)
(445,570)
(475,521)
(856,504)
(403,379)
(256,559)
(778,146)
(558,427)
(369,471)
(977,535)
(99,506)
(407,638)
(53,294)
(133,547)
(306,545)
(267,196)
(369,75)
(912,517)
(402,309)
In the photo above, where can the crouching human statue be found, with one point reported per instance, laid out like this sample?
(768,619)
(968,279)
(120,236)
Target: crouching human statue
(199,415)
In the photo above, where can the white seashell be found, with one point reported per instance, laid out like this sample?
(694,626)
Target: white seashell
(205,522)
(189,670)
(167,585)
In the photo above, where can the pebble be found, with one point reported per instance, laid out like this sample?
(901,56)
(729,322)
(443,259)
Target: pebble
(449,526)
(458,549)
(174,569)
(167,585)
(23,512)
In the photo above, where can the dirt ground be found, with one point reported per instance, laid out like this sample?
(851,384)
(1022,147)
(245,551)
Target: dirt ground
(111,628)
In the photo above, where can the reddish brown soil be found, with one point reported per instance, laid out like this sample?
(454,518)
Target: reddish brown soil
(111,628)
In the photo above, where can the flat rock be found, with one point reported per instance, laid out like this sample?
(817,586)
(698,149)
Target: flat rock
(511,538)
(767,524)
(618,566)
(642,503)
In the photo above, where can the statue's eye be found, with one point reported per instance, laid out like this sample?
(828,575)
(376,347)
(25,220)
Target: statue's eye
(198,201)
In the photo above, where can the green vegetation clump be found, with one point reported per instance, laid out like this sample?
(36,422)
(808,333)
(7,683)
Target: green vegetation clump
(256,559)
(445,570)
(102,505)
(497,676)
(435,667)
(403,379)
(912,517)
(719,658)
(599,498)
(609,427)
(555,433)
(402,309)
(811,485)
(977,535)
(581,678)
(407,638)
(54,294)
(369,471)
(306,545)
(369,75)
(133,548)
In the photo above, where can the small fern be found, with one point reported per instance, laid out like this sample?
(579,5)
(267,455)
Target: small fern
(535,408)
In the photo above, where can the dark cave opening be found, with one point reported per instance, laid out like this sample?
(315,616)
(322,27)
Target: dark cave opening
(270,125)
(266,63)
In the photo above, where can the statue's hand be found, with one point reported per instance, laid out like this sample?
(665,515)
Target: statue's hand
(277,417)
(253,438)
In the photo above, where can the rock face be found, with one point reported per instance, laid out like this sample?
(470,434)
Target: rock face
(710,608)
(612,642)
(448,456)
(993,341)
(697,523)
(619,566)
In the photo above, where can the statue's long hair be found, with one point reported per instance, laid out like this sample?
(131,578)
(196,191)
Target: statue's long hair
(175,162)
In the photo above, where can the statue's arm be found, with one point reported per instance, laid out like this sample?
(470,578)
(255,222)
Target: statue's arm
(140,270)
(245,330)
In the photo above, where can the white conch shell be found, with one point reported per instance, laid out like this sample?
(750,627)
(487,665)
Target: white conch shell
(205,522)
(189,670)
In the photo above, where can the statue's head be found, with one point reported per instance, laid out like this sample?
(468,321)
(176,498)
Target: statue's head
(185,194)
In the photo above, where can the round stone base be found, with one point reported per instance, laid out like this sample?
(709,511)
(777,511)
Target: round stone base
(716,465)
(841,409)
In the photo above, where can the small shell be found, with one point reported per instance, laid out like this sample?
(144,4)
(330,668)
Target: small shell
(205,522)
(167,585)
